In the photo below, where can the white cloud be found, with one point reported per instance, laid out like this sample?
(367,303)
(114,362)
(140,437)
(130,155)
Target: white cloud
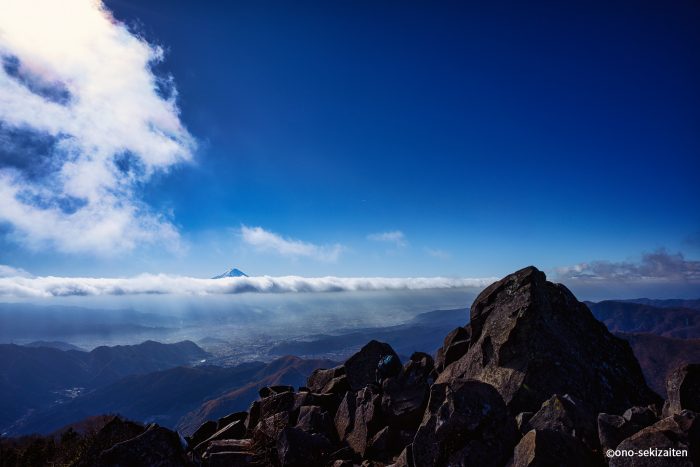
(265,240)
(9,271)
(46,287)
(71,74)
(439,254)
(396,237)
(659,266)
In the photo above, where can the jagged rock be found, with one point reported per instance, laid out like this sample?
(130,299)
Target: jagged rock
(337,385)
(683,389)
(277,403)
(270,427)
(204,431)
(361,368)
(228,419)
(113,432)
(313,419)
(405,459)
(454,346)
(549,448)
(229,452)
(563,413)
(234,430)
(531,338)
(366,420)
(296,448)
(345,416)
(641,416)
(679,431)
(466,423)
(318,380)
(157,447)
(268,391)
(522,421)
(405,396)
(328,402)
(613,429)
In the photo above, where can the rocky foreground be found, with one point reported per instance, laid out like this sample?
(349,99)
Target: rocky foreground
(533,380)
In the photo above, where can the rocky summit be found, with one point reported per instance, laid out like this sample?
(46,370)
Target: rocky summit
(533,380)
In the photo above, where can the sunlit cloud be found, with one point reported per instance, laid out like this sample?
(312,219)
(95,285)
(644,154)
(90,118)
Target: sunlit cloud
(84,123)
(148,284)
(266,241)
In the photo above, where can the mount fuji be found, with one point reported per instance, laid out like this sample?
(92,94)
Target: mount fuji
(231,273)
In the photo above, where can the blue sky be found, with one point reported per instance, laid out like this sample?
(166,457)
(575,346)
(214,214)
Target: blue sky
(409,139)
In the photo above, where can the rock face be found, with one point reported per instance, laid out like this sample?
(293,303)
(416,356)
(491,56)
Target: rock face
(683,389)
(361,369)
(531,339)
(679,432)
(466,423)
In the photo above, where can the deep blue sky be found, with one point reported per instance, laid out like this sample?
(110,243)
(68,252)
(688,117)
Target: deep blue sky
(499,133)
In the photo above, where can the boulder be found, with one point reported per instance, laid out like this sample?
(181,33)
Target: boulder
(320,377)
(296,448)
(466,423)
(314,419)
(563,413)
(228,419)
(683,389)
(366,420)
(531,339)
(678,432)
(234,430)
(405,396)
(113,432)
(522,422)
(157,446)
(204,431)
(267,391)
(641,416)
(361,368)
(613,429)
(345,416)
(550,448)
(454,346)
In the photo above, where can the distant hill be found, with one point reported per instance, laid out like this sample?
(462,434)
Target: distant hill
(658,355)
(667,303)
(423,333)
(37,377)
(60,345)
(177,397)
(289,370)
(631,317)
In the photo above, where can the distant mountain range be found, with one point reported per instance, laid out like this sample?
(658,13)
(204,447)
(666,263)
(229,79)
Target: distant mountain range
(35,378)
(231,273)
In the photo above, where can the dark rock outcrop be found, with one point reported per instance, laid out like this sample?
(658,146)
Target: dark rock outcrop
(466,423)
(545,448)
(680,432)
(361,368)
(531,338)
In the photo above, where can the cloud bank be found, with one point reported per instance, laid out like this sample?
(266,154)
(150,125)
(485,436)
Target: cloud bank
(396,237)
(83,122)
(46,287)
(264,240)
(659,266)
